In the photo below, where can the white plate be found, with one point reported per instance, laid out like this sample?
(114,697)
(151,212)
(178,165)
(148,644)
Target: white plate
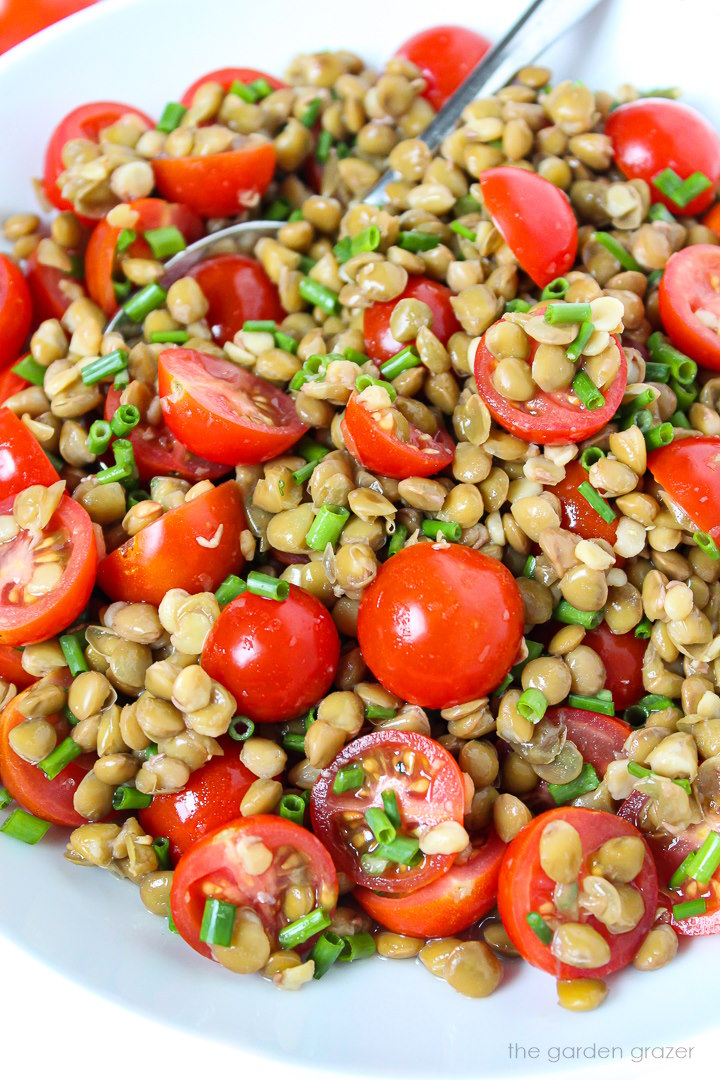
(377,1016)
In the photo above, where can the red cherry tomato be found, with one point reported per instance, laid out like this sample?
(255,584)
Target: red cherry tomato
(11,384)
(712,218)
(600,739)
(85,122)
(535,220)
(525,888)
(51,800)
(237,289)
(15,310)
(686,287)
(217,185)
(218,408)
(100,256)
(277,658)
(166,555)
(214,867)
(380,343)
(577,513)
(382,452)
(622,655)
(653,134)
(445,55)
(440,626)
(548,418)
(226,77)
(25,617)
(689,471)
(448,905)
(211,798)
(21,20)
(50,289)
(22,459)
(402,762)
(11,668)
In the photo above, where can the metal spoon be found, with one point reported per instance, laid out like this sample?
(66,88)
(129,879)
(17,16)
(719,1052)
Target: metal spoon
(539,26)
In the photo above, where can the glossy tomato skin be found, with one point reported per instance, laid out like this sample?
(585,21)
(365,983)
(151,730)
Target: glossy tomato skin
(440,626)
(11,668)
(445,55)
(11,384)
(206,400)
(21,20)
(381,452)
(380,343)
(689,470)
(577,513)
(277,658)
(535,220)
(524,887)
(622,655)
(166,554)
(686,287)
(443,800)
(448,905)
(600,739)
(215,858)
(22,459)
(45,283)
(653,134)
(226,77)
(15,310)
(237,289)
(51,800)
(218,185)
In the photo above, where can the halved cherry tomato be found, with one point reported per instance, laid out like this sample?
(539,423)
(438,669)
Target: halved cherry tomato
(237,289)
(445,55)
(383,452)
(277,658)
(534,218)
(21,20)
(214,867)
(219,409)
(22,460)
(440,626)
(577,513)
(622,655)
(600,739)
(51,800)
(85,122)
(15,310)
(380,343)
(448,905)
(159,453)
(28,611)
(217,185)
(653,134)
(11,668)
(548,418)
(686,287)
(211,798)
(712,218)
(47,285)
(525,888)
(166,555)
(11,384)
(100,256)
(689,471)
(226,77)
(428,788)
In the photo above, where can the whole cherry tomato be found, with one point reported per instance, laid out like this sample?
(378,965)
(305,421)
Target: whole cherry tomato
(15,311)
(445,55)
(237,290)
(380,343)
(686,287)
(383,452)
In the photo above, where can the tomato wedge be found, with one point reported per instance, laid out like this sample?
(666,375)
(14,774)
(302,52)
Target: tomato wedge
(379,341)
(168,555)
(22,460)
(445,55)
(622,655)
(689,471)
(428,788)
(687,288)
(15,310)
(226,77)
(11,668)
(383,452)
(219,409)
(34,604)
(600,739)
(50,289)
(215,867)
(448,905)
(51,800)
(219,185)
(525,888)
(237,289)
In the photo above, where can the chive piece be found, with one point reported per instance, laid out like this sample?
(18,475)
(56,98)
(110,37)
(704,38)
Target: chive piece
(534,649)
(28,368)
(317,295)
(294,742)
(380,825)
(638,402)
(218,921)
(566,313)
(448,530)
(643,628)
(406,359)
(323,147)
(587,391)
(617,250)
(25,827)
(597,502)
(326,951)
(161,847)
(659,212)
(166,241)
(171,924)
(707,859)
(463,230)
(373,864)
(532,705)
(654,278)
(60,757)
(680,420)
(259,326)
(241,728)
(466,204)
(169,337)
(590,455)
(117,474)
(392,809)
(72,649)
(310,117)
(171,116)
(292,808)
(243,91)
(356,357)
(397,540)
(124,419)
(261,88)
(507,681)
(367,240)
(125,457)
(269,587)
(348,778)
(639,770)
(232,587)
(586,781)
(363,381)
(104,366)
(285,342)
(311,450)
(517,305)
(304,473)
(555,289)
(129,798)
(529,567)
(681,366)
(657,372)
(689,909)
(326,528)
(279,210)
(151,751)
(416,241)
(685,395)
(404,850)
(5,798)
(70,717)
(706,544)
(125,240)
(573,352)
(121,290)
(98,437)
(680,191)
(571,616)
(661,435)
(592,704)
(638,713)
(357,947)
(295,933)
(121,380)
(539,927)
(145,301)
(681,873)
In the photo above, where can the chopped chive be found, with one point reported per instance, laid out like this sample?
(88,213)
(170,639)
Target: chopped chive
(367,240)
(121,380)
(657,372)
(143,302)
(591,704)
(171,924)
(654,278)
(348,778)
(534,649)
(363,381)
(529,567)
(306,264)
(587,391)
(539,927)
(161,847)
(25,827)
(356,357)
(392,809)
(466,204)
(517,305)
(573,352)
(689,909)
(297,932)
(617,250)
(310,117)
(279,210)
(232,587)
(661,435)
(404,850)
(555,289)
(285,342)
(567,313)
(406,359)
(171,117)
(267,586)
(638,402)
(304,473)
(72,649)
(70,717)
(60,757)
(5,798)
(377,712)
(169,337)
(323,147)
(217,923)
(326,951)
(680,191)
(292,807)
(124,459)
(259,326)
(640,771)
(125,240)
(590,455)
(659,212)
(463,230)
(261,88)
(151,751)
(706,544)
(685,395)
(448,530)
(166,241)
(243,91)
(373,864)
(639,712)
(327,526)
(643,628)
(706,860)
(98,437)
(599,505)
(28,368)
(586,781)
(357,947)
(507,681)
(317,295)
(121,290)
(241,728)
(294,742)
(566,613)
(311,450)
(104,366)
(681,873)
(681,366)
(680,420)
(129,798)
(416,241)
(532,705)
(380,825)
(116,474)
(124,419)
(397,540)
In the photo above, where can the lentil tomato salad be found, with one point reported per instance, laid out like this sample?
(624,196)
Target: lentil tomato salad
(366,597)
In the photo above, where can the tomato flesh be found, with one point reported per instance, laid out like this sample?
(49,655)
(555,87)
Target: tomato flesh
(379,341)
(22,460)
(237,290)
(383,452)
(218,185)
(600,739)
(690,285)
(622,655)
(50,289)
(577,513)
(689,471)
(11,668)
(445,55)
(15,310)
